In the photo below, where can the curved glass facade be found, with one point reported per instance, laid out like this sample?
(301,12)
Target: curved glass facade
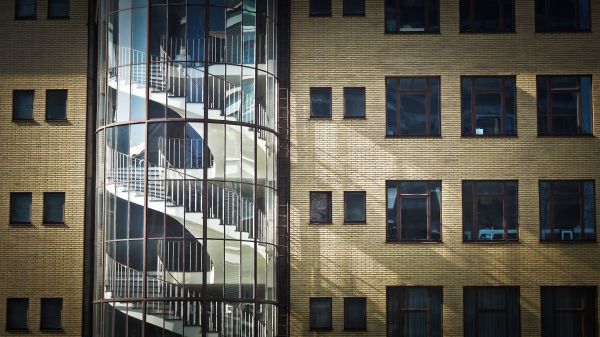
(186,154)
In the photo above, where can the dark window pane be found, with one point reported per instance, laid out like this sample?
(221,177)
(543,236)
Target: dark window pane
(56,104)
(20,208)
(542,105)
(355,313)
(320,7)
(489,114)
(564,112)
(483,97)
(414,219)
(414,311)
(420,208)
(490,187)
(567,210)
(412,114)
(490,219)
(320,313)
(16,313)
(568,311)
(354,102)
(54,207)
(391,111)
(320,102)
(392,211)
(490,210)
(354,7)
(51,313)
(467,200)
(25,9)
(562,15)
(491,311)
(413,107)
(466,88)
(58,8)
(412,15)
(391,22)
(586,105)
(413,187)
(320,207)
(23,104)
(354,207)
(412,83)
(487,17)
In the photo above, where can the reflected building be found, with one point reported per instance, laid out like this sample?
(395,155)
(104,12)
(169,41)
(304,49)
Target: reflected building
(186,179)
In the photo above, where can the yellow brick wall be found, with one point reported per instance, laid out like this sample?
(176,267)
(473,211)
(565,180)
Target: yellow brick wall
(340,155)
(41,261)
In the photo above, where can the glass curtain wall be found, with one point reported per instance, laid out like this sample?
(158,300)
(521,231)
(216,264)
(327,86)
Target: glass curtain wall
(186,199)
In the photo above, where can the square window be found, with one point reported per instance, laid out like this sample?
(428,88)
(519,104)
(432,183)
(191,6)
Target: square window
(320,313)
(51,313)
(54,208)
(491,311)
(20,208)
(320,102)
(355,210)
(320,7)
(567,211)
(488,106)
(413,106)
(414,311)
(562,15)
(487,16)
(410,16)
(354,102)
(58,9)
(320,207)
(568,311)
(355,313)
(23,105)
(413,211)
(354,7)
(490,211)
(564,105)
(56,104)
(25,9)
(16,313)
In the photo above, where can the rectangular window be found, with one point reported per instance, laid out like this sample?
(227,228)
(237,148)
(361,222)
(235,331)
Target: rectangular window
(54,208)
(562,15)
(490,211)
(413,106)
(564,105)
(320,207)
(16,313)
(320,102)
(414,311)
(354,7)
(567,211)
(568,311)
(320,313)
(488,106)
(25,9)
(413,211)
(410,16)
(51,313)
(355,207)
(487,16)
(56,104)
(58,9)
(354,102)
(20,208)
(23,105)
(320,7)
(355,313)
(491,311)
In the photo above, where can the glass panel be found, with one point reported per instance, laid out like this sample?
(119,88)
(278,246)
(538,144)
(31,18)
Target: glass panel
(20,208)
(354,102)
(586,105)
(54,207)
(195,34)
(320,207)
(247,251)
(412,83)
(414,219)
(565,112)
(233,152)
(25,9)
(466,86)
(261,271)
(354,207)
(124,29)
(584,14)
(545,233)
(262,117)
(567,298)
(355,313)
(492,324)
(271,261)
(233,93)
(123,94)
(588,211)
(490,187)
(320,7)
(158,33)
(320,313)
(392,212)
(542,105)
(390,16)
(489,113)
(412,114)
(486,15)
(412,16)
(232,269)
(467,203)
(415,298)
(320,102)
(566,187)
(23,104)
(562,15)
(248,95)
(216,147)
(217,34)
(249,38)
(434,107)
(354,7)
(491,298)
(568,323)
(139,28)
(194,149)
(567,218)
(391,113)
(435,211)
(413,187)
(509,107)
(193,208)
(194,92)
(16,316)
(490,219)
(247,212)
(511,206)
(56,104)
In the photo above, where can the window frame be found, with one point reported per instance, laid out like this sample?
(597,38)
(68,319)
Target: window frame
(310,9)
(551,221)
(363,301)
(26,328)
(364,195)
(345,13)
(474,92)
(330,205)
(547,29)
(64,17)
(14,105)
(426,92)
(478,311)
(501,17)
(425,20)
(64,201)
(33,17)
(43,328)
(364,107)
(65,118)
(330,91)
(310,313)
(550,291)
(15,194)
(504,197)
(429,309)
(426,196)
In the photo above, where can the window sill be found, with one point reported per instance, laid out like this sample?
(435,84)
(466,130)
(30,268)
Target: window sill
(320,118)
(413,136)
(434,33)
(355,117)
(493,242)
(585,135)
(354,15)
(60,330)
(57,120)
(321,329)
(355,329)
(21,224)
(489,136)
(319,15)
(24,120)
(567,242)
(569,31)
(25,18)
(320,223)
(355,222)
(412,242)
(493,32)
(58,18)
(18,331)
(54,224)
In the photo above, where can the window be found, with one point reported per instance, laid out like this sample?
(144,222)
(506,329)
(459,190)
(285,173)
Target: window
(56,104)
(487,16)
(354,7)
(320,207)
(413,106)
(568,311)
(488,106)
(51,312)
(54,208)
(320,313)
(20,208)
(23,105)
(562,15)
(354,102)
(567,211)
(355,313)
(490,211)
(320,7)
(320,102)
(410,16)
(58,9)
(355,207)
(25,9)
(16,313)
(414,311)
(564,105)
(413,211)
(492,311)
